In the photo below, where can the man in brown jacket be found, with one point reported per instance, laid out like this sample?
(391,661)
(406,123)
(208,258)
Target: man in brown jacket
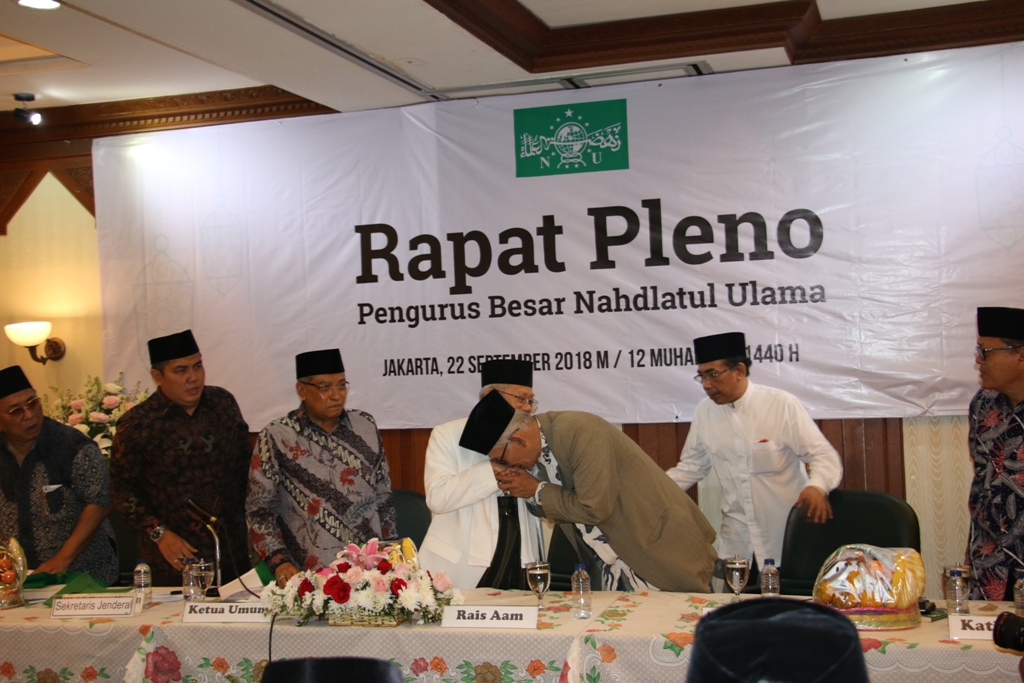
(630,523)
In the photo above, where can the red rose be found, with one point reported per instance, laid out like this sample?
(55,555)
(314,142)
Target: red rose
(7,670)
(162,665)
(305,587)
(343,567)
(383,566)
(89,674)
(396,586)
(419,666)
(342,594)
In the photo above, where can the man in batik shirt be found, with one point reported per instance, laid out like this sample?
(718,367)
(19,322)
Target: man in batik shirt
(54,492)
(186,441)
(318,479)
(995,548)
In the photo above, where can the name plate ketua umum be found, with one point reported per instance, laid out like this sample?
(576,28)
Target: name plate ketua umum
(971,626)
(222,612)
(93,605)
(489,616)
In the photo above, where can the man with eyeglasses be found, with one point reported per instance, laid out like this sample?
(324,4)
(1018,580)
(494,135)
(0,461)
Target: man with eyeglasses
(628,522)
(766,450)
(462,491)
(319,479)
(185,441)
(995,547)
(54,488)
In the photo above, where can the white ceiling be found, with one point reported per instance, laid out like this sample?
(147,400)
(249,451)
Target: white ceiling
(105,50)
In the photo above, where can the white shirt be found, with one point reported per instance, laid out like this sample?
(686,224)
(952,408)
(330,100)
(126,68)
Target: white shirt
(758,446)
(462,495)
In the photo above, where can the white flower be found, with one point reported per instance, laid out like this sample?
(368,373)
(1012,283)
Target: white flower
(409,600)
(363,599)
(111,388)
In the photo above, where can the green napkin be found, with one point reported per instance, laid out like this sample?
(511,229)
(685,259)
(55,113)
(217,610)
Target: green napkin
(43,579)
(82,583)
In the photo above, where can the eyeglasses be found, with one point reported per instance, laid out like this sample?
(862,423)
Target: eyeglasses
(18,412)
(324,388)
(522,399)
(980,351)
(501,460)
(709,376)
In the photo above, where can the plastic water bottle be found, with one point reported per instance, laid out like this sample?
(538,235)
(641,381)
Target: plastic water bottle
(956,593)
(189,584)
(581,593)
(770,585)
(143,584)
(1018,594)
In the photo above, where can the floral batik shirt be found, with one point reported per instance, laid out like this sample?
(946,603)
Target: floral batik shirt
(312,493)
(995,548)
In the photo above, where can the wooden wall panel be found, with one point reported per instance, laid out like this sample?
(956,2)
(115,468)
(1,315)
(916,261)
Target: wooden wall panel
(871,451)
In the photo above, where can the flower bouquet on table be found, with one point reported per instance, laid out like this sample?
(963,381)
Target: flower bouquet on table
(372,585)
(95,411)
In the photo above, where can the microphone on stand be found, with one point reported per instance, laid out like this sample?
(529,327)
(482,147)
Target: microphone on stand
(210,520)
(200,510)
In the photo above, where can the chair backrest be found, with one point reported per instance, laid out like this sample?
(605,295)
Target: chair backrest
(332,670)
(413,514)
(857,517)
(127,548)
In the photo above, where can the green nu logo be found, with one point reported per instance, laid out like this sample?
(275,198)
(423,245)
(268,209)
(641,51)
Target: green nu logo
(577,138)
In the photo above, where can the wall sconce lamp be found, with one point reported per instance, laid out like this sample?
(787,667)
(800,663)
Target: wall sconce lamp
(31,335)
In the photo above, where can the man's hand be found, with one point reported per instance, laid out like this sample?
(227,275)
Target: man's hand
(517,482)
(54,565)
(284,572)
(175,549)
(814,502)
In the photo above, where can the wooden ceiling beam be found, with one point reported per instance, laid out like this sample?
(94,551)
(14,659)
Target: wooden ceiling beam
(795,25)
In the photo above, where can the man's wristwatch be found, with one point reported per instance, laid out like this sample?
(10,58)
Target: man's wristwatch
(157,533)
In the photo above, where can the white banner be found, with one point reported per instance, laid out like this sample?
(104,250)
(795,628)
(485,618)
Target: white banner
(847,217)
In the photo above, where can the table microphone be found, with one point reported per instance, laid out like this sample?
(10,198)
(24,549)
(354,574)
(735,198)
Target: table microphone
(209,520)
(199,510)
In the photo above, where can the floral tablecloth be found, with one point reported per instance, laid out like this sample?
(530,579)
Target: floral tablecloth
(156,647)
(647,637)
(632,637)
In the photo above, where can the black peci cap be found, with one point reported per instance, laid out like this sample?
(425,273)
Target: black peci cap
(486,424)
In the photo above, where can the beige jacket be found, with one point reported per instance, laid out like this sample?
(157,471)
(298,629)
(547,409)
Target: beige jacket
(608,481)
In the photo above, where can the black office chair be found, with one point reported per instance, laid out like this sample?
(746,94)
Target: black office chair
(866,517)
(562,559)
(332,670)
(413,514)
(127,549)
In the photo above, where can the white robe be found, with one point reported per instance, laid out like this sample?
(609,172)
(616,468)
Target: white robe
(758,446)
(462,495)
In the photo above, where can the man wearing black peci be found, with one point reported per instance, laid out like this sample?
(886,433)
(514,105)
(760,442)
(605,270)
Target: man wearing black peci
(186,441)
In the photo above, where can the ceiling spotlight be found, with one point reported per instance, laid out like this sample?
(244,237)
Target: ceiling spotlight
(39,4)
(33,117)
(23,114)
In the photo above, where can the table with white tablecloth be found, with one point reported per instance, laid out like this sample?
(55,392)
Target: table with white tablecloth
(631,637)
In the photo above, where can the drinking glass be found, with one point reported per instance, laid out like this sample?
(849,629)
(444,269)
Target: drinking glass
(737,570)
(202,575)
(538,576)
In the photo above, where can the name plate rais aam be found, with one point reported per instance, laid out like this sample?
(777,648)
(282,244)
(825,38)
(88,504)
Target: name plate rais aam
(489,616)
(93,605)
(221,612)
(971,627)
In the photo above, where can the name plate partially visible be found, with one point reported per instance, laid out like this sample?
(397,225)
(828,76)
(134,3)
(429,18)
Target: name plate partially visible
(480,616)
(971,627)
(93,605)
(222,612)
